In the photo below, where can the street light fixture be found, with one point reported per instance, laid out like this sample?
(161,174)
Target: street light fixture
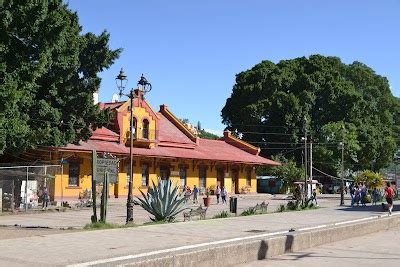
(145,87)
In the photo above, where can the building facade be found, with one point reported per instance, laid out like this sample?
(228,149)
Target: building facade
(163,148)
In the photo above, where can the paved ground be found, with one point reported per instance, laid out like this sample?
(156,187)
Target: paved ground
(117,213)
(379,249)
(67,248)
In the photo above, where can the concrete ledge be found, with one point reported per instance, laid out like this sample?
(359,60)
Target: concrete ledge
(262,248)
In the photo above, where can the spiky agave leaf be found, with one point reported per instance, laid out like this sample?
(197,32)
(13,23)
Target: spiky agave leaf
(163,201)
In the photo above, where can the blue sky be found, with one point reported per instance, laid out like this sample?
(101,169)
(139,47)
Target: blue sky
(191,50)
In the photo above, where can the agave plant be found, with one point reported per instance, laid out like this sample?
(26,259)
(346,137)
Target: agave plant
(162,201)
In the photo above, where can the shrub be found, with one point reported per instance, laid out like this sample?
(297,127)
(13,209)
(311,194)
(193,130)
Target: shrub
(222,214)
(292,205)
(162,201)
(281,208)
(367,199)
(249,211)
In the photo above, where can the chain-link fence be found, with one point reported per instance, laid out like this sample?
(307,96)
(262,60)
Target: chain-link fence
(26,187)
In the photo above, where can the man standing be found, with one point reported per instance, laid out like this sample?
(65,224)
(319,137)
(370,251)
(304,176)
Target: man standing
(389,194)
(195,193)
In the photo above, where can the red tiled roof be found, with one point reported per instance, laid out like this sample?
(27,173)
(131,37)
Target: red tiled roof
(111,105)
(169,133)
(104,134)
(172,142)
(207,149)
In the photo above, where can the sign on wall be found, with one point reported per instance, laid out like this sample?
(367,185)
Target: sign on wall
(107,165)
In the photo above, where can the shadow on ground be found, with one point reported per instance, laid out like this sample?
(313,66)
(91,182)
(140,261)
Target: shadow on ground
(370,208)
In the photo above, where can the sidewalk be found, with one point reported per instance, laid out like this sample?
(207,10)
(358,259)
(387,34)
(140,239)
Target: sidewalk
(63,249)
(116,212)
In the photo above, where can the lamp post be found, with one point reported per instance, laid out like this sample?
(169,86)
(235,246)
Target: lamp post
(145,87)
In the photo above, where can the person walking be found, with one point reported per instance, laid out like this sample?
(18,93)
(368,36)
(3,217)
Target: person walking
(187,194)
(352,193)
(218,193)
(45,198)
(314,197)
(363,194)
(224,193)
(357,195)
(389,194)
(195,193)
(375,195)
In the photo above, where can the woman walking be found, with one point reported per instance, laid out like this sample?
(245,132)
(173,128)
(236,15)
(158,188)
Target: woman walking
(218,193)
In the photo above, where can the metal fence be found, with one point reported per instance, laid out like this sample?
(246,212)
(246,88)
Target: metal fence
(22,187)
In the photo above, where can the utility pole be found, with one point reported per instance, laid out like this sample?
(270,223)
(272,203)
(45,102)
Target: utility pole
(305,159)
(342,171)
(311,177)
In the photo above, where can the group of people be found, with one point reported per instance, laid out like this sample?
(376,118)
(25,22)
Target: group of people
(359,193)
(220,193)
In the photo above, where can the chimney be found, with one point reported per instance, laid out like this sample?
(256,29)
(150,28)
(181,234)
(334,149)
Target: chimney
(163,108)
(227,134)
(139,94)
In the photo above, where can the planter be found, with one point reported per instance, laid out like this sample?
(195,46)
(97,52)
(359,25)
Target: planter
(207,201)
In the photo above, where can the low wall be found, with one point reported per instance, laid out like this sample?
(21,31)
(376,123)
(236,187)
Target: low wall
(264,247)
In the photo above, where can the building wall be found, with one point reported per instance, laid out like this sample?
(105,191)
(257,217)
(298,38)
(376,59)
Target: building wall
(62,189)
(140,114)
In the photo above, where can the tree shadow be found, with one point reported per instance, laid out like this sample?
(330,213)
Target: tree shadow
(378,208)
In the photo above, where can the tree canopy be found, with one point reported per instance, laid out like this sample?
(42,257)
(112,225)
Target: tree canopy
(288,171)
(48,74)
(272,105)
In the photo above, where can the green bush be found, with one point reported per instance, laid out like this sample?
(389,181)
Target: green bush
(249,211)
(367,199)
(292,205)
(222,214)
(281,208)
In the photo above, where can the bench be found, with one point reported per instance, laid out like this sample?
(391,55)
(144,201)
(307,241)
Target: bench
(261,207)
(195,212)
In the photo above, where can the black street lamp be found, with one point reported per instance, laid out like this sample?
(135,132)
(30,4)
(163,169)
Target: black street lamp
(145,87)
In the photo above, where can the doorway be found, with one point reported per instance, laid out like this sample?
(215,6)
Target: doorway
(235,181)
(220,177)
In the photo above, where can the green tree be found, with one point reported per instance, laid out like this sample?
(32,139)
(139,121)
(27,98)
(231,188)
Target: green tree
(370,179)
(288,171)
(48,74)
(272,105)
(207,135)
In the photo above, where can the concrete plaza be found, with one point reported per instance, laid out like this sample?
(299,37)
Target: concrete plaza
(108,245)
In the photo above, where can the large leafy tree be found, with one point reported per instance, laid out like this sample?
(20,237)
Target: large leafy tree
(48,74)
(272,105)
(289,172)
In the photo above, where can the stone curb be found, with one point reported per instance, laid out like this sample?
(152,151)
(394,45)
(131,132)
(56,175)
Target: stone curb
(262,248)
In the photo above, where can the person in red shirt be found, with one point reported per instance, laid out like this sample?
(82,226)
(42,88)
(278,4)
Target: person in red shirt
(389,194)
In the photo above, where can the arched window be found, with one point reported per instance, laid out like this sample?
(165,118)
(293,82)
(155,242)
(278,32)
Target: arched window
(145,133)
(133,130)
(134,127)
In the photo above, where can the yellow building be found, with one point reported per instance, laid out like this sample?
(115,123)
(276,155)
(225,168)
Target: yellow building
(163,148)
